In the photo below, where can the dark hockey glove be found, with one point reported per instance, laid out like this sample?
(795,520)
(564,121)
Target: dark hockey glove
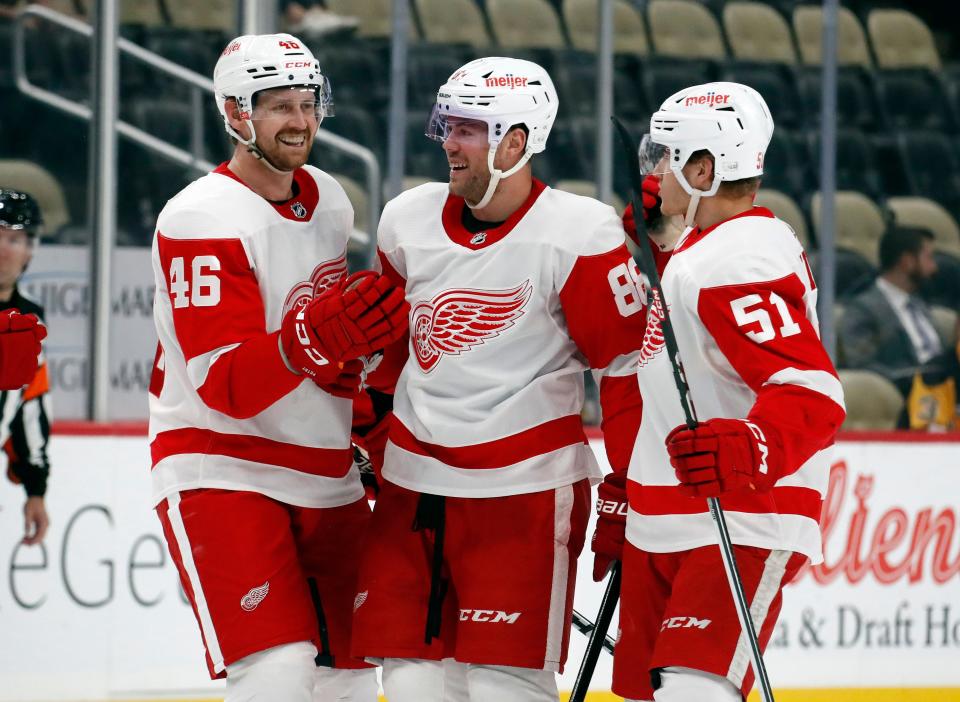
(20,337)
(608,535)
(725,455)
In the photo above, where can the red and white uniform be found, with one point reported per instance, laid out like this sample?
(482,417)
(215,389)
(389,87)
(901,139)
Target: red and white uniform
(225,412)
(742,302)
(743,306)
(489,401)
(253,478)
(503,324)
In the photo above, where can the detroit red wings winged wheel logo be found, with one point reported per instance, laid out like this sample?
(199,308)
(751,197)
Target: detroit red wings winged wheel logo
(455,321)
(324,277)
(653,334)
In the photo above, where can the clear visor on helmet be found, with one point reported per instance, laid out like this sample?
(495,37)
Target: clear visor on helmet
(654,157)
(283,103)
(442,126)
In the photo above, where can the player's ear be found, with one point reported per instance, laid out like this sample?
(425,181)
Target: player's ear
(701,172)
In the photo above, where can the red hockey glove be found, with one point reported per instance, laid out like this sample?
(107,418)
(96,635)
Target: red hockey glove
(723,455)
(361,315)
(365,313)
(347,382)
(306,354)
(650,201)
(608,536)
(20,337)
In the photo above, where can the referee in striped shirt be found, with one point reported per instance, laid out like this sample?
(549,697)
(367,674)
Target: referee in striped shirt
(24,423)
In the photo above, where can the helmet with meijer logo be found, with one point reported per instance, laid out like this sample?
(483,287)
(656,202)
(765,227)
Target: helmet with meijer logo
(730,120)
(504,93)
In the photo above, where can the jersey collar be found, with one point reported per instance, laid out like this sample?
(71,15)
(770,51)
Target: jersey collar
(696,234)
(300,207)
(453,224)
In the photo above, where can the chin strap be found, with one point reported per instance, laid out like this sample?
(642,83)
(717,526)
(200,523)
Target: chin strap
(692,208)
(496,175)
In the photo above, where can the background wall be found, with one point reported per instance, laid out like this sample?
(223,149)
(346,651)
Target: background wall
(97,613)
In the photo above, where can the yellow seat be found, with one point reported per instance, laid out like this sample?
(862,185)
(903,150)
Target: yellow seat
(852,47)
(873,403)
(629,29)
(900,39)
(375,16)
(858,226)
(218,15)
(945,322)
(757,32)
(525,24)
(143,13)
(453,22)
(684,29)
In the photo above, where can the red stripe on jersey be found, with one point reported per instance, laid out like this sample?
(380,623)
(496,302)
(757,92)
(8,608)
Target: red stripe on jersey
(385,375)
(622,408)
(549,436)
(157,375)
(602,303)
(213,292)
(300,207)
(696,235)
(330,463)
(657,500)
(230,387)
(453,225)
(762,328)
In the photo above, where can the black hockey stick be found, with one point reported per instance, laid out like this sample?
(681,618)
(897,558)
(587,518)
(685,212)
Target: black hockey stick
(597,636)
(649,268)
(585,626)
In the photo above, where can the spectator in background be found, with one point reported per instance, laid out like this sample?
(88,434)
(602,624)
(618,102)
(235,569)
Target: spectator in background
(313,18)
(889,329)
(24,423)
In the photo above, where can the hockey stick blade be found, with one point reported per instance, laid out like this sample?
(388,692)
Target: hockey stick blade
(585,626)
(597,637)
(649,268)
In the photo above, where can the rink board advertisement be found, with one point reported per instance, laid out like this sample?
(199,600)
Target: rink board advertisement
(58,278)
(98,614)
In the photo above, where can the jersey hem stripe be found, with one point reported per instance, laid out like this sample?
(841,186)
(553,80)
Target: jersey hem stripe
(332,463)
(544,438)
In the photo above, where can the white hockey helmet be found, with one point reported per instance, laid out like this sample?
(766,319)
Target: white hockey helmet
(730,120)
(252,63)
(502,92)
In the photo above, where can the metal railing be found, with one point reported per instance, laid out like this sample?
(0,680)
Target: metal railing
(201,87)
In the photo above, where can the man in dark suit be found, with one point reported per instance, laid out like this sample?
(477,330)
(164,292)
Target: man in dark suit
(888,328)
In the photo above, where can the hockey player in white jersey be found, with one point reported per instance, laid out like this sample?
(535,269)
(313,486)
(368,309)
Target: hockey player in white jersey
(515,290)
(742,301)
(261,333)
